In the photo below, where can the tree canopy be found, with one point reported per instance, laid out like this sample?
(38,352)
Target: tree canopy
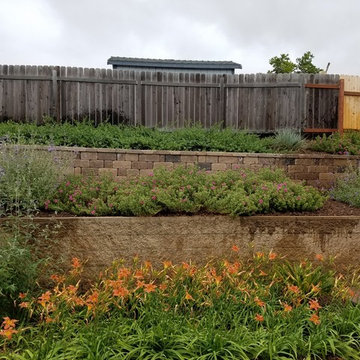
(282,64)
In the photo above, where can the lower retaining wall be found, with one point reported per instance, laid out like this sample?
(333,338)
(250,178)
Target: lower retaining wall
(316,169)
(200,238)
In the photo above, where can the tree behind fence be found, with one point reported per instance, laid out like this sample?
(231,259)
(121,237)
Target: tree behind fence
(259,103)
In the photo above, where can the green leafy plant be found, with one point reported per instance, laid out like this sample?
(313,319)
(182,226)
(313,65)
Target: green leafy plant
(28,176)
(185,190)
(347,188)
(262,308)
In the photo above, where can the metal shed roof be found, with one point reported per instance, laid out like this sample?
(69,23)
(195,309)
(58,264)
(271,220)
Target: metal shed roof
(173,64)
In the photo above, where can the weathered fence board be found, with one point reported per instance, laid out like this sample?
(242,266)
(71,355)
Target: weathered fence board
(259,103)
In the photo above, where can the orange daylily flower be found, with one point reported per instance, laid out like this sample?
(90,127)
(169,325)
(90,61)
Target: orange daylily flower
(138,274)
(148,288)
(162,287)
(24,305)
(22,295)
(272,256)
(259,318)
(259,302)
(57,278)
(235,248)
(217,280)
(314,318)
(314,305)
(294,289)
(148,264)
(8,333)
(44,298)
(121,291)
(123,273)
(188,296)
(9,323)
(75,263)
(319,257)
(315,288)
(287,307)
(167,264)
(185,266)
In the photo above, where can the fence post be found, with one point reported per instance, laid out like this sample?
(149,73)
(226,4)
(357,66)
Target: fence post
(341,107)
(138,99)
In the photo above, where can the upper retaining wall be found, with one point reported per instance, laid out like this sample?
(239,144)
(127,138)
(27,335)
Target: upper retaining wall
(316,169)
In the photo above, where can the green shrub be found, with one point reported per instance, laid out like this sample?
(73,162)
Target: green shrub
(28,177)
(130,137)
(347,188)
(346,144)
(186,190)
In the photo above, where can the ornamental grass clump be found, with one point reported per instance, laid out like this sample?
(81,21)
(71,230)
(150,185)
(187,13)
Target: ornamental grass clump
(185,191)
(263,308)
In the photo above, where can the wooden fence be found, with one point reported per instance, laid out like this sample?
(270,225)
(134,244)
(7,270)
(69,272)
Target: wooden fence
(259,103)
(351,102)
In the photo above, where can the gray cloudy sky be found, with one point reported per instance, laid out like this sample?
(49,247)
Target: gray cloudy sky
(87,32)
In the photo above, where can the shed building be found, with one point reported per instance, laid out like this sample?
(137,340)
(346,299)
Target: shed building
(188,66)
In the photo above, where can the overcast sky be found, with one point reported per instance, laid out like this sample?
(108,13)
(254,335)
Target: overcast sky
(87,32)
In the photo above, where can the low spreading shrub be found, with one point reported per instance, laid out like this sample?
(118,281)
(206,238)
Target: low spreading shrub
(185,190)
(266,308)
(347,188)
(346,144)
(136,137)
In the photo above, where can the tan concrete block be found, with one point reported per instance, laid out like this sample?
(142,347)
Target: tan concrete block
(228,159)
(106,156)
(96,163)
(304,162)
(130,157)
(211,159)
(145,172)
(90,171)
(81,163)
(132,172)
(122,164)
(149,157)
(306,176)
(141,165)
(77,171)
(188,158)
(167,165)
(251,160)
(219,167)
(317,168)
(108,163)
(327,176)
(88,155)
(122,172)
(297,169)
(121,157)
(113,172)
(201,158)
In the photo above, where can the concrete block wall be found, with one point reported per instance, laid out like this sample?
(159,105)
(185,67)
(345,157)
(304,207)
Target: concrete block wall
(316,169)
